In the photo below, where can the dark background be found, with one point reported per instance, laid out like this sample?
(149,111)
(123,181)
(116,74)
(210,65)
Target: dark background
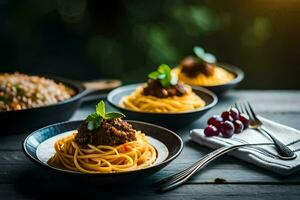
(89,39)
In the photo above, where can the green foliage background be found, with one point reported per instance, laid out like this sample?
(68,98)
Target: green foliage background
(84,39)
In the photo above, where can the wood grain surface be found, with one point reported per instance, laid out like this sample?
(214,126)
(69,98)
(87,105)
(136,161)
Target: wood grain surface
(21,179)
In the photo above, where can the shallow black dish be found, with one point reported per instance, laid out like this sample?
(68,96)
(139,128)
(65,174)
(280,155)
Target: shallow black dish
(222,89)
(170,120)
(33,118)
(172,142)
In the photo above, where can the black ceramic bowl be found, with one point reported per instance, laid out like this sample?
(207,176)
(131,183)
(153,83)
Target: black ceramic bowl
(34,118)
(222,89)
(167,143)
(172,120)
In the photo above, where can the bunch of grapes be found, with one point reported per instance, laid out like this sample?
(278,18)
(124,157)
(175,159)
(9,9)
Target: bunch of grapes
(230,122)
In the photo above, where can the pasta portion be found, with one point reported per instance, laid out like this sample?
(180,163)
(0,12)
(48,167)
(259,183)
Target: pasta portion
(148,103)
(129,156)
(219,77)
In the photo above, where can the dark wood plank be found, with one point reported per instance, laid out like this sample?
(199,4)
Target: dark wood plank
(230,169)
(14,164)
(14,142)
(267,100)
(18,175)
(139,191)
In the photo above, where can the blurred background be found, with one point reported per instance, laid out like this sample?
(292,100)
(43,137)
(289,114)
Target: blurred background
(90,39)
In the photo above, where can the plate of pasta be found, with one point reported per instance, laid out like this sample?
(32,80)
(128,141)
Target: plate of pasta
(103,146)
(203,70)
(163,100)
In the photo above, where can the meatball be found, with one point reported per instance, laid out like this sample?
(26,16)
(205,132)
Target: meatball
(110,132)
(192,66)
(154,88)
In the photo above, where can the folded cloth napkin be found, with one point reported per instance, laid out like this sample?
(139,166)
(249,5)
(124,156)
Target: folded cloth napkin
(263,156)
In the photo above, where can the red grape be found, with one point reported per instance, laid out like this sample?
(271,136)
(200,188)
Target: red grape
(227,129)
(210,130)
(226,116)
(234,113)
(245,120)
(216,121)
(230,122)
(238,126)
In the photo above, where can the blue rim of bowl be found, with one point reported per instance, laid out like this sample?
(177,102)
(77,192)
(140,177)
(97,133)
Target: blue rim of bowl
(37,161)
(112,93)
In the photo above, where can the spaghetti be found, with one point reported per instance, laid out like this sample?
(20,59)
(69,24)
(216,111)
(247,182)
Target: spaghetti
(147,103)
(220,76)
(129,156)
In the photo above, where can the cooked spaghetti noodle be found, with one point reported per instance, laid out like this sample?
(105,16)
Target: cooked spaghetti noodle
(139,102)
(102,158)
(220,76)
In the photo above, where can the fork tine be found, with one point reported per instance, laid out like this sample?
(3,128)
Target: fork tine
(237,105)
(248,112)
(252,111)
(243,108)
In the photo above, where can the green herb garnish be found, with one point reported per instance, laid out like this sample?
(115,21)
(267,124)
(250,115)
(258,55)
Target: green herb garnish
(163,74)
(203,56)
(94,120)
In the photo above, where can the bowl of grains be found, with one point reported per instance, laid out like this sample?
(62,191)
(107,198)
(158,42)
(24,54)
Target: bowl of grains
(32,101)
(20,91)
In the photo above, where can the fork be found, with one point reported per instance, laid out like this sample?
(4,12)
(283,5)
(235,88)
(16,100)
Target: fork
(283,150)
(184,175)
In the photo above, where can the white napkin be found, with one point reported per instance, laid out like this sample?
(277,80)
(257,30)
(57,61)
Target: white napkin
(263,156)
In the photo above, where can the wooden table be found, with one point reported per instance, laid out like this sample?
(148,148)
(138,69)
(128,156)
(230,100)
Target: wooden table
(20,178)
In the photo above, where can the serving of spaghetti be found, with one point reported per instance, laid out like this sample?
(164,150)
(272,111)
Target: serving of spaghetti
(219,77)
(103,143)
(202,70)
(103,158)
(148,103)
(162,94)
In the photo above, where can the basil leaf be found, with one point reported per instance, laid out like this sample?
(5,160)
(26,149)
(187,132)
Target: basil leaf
(163,69)
(161,76)
(165,83)
(209,58)
(95,119)
(90,125)
(206,57)
(100,108)
(199,52)
(166,71)
(154,75)
(92,117)
(98,122)
(168,77)
(95,123)
(113,115)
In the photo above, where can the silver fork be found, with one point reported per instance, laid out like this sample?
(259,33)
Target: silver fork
(181,177)
(283,150)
